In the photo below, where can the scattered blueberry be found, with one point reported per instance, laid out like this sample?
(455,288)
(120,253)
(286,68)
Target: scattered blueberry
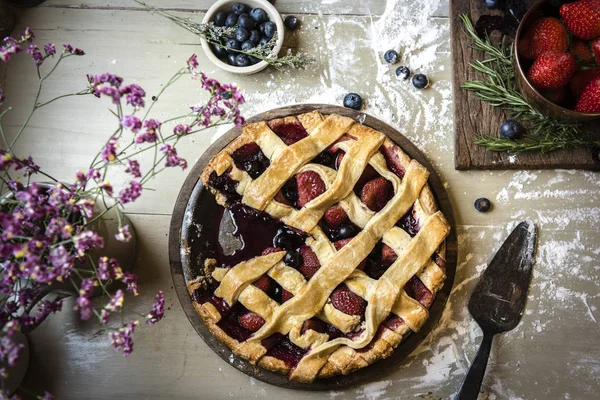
(346,231)
(291,22)
(233,44)
(492,3)
(420,81)
(246,22)
(242,60)
(241,35)
(258,15)
(231,59)
(511,129)
(248,45)
(255,36)
(239,8)
(270,29)
(482,204)
(220,51)
(391,56)
(403,72)
(252,167)
(220,18)
(263,42)
(293,259)
(231,20)
(353,100)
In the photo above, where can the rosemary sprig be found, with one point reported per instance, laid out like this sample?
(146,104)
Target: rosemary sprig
(217,36)
(545,134)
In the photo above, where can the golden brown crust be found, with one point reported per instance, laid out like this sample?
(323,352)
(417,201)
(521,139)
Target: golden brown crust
(361,144)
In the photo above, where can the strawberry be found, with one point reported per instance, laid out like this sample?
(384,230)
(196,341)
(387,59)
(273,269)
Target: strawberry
(581,79)
(418,291)
(341,243)
(310,262)
(546,34)
(388,255)
(290,133)
(310,186)
(582,18)
(589,102)
(285,295)
(596,50)
(368,173)
(335,216)
(251,321)
(347,301)
(315,324)
(551,70)
(263,283)
(270,250)
(376,193)
(582,51)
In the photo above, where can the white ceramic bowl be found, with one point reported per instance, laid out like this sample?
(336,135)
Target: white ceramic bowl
(225,5)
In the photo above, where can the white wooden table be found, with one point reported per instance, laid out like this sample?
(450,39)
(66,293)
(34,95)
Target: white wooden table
(553,353)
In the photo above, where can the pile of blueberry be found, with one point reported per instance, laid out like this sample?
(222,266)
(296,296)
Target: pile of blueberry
(252,28)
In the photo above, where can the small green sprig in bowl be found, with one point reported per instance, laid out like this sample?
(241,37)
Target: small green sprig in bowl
(217,36)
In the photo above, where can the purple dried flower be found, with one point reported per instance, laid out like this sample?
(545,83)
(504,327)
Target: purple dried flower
(47,396)
(124,234)
(10,351)
(87,287)
(131,193)
(67,48)
(84,305)
(106,84)
(114,305)
(50,49)
(182,129)
(109,152)
(158,309)
(27,36)
(87,240)
(122,339)
(36,54)
(133,168)
(134,95)
(2,98)
(131,281)
(212,85)
(75,51)
(86,206)
(107,187)
(9,48)
(149,135)
(173,160)
(192,62)
(109,268)
(131,122)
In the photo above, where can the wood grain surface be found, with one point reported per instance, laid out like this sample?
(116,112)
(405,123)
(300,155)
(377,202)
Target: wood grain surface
(192,205)
(473,117)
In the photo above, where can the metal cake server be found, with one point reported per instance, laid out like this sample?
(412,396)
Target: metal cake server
(498,301)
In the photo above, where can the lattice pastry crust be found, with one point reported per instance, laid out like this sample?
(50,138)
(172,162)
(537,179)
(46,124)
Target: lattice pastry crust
(367,338)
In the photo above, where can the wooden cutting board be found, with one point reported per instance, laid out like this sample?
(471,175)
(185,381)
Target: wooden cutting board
(472,116)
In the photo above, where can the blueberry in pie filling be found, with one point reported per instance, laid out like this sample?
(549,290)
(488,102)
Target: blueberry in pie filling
(354,247)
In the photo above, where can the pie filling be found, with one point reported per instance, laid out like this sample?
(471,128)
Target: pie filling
(246,234)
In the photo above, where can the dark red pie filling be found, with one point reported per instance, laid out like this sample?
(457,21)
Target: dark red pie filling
(230,323)
(224,184)
(251,159)
(439,261)
(392,161)
(418,291)
(286,351)
(290,133)
(409,222)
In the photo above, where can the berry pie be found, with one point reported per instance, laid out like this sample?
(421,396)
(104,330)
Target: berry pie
(342,246)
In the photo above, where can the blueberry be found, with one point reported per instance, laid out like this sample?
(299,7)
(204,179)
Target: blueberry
(270,29)
(391,56)
(353,100)
(248,45)
(282,240)
(511,129)
(346,231)
(231,20)
(231,59)
(482,204)
(220,51)
(233,44)
(255,36)
(239,8)
(252,167)
(420,81)
(225,94)
(246,22)
(493,3)
(263,42)
(293,259)
(403,72)
(242,60)
(332,234)
(258,15)
(291,23)
(220,18)
(254,60)
(290,191)
(241,35)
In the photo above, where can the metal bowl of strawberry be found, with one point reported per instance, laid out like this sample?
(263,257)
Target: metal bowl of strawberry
(557,58)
